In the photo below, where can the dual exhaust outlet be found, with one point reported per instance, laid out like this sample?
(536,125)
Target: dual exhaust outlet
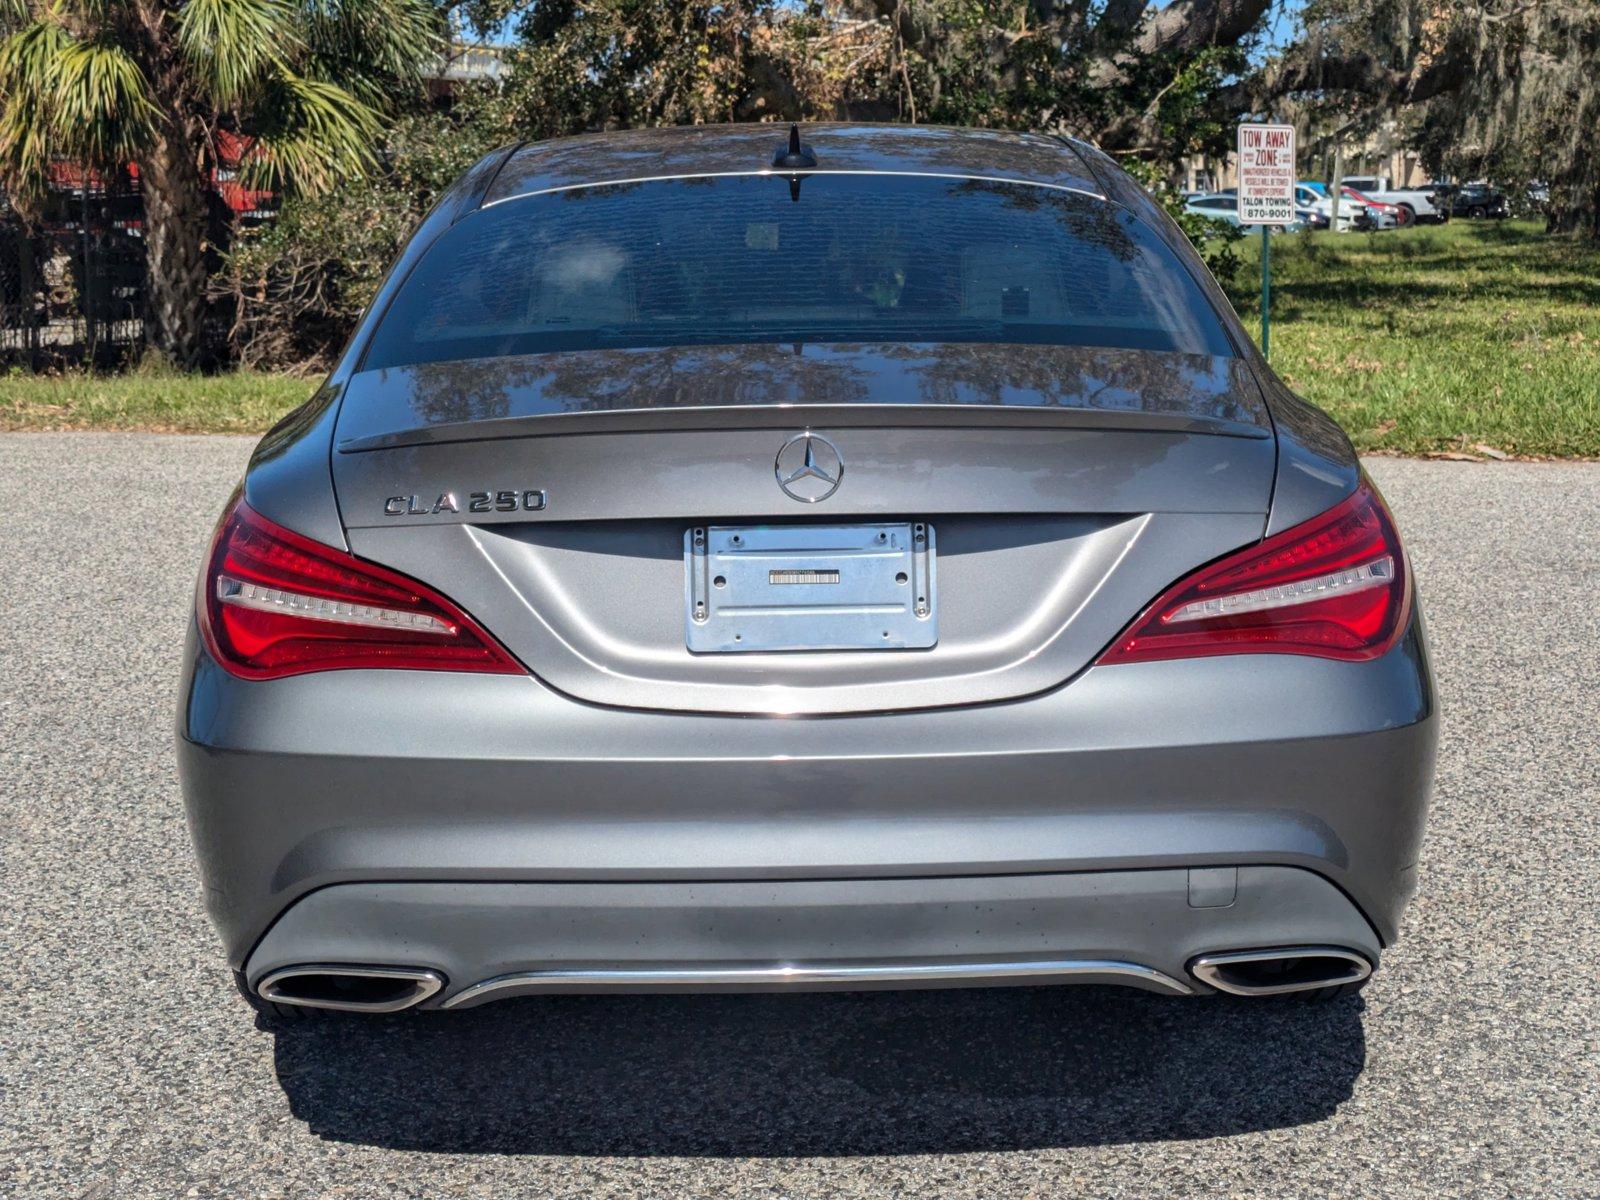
(1267,972)
(351,988)
(1279,971)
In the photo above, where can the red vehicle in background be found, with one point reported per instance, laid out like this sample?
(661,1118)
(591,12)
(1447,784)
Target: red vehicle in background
(121,210)
(72,272)
(1387,215)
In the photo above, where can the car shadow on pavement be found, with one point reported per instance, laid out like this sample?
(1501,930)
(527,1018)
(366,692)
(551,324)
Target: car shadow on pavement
(820,1073)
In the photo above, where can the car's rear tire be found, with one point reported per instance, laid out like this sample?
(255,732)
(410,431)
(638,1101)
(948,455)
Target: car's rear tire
(1477,212)
(1406,216)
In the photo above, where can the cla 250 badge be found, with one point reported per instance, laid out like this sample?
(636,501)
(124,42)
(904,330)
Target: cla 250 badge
(508,501)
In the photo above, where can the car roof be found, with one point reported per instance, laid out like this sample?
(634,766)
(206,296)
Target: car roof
(676,151)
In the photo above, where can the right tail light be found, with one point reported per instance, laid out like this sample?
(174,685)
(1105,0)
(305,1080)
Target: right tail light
(1335,586)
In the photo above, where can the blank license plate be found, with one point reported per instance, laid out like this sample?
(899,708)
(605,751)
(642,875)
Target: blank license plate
(810,587)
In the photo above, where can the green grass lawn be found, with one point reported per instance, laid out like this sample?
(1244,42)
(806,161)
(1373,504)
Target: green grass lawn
(1440,338)
(240,402)
(1420,340)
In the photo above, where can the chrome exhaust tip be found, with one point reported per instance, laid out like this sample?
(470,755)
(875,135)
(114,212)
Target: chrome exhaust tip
(350,989)
(1281,969)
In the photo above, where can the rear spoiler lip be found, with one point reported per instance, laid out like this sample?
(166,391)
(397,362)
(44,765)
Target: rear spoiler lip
(792,416)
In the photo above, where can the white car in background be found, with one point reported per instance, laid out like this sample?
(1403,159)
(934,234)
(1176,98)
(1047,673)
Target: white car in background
(1311,207)
(1415,204)
(1354,213)
(1311,200)
(1224,206)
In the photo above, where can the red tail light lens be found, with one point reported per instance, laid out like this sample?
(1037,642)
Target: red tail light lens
(1333,587)
(274,603)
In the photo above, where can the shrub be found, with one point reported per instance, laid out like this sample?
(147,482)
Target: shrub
(297,286)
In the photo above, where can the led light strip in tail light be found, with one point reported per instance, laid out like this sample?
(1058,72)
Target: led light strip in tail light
(318,608)
(1377,573)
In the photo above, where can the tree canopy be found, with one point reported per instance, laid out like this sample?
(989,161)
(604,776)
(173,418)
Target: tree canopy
(320,91)
(1502,88)
(301,85)
(1126,73)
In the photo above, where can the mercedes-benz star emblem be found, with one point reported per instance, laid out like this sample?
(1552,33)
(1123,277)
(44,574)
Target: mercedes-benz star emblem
(809,468)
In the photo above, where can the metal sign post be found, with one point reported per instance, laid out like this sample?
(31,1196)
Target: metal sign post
(1266,292)
(1266,198)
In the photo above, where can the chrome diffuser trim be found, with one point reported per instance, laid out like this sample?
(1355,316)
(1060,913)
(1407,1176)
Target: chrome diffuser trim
(424,984)
(1208,969)
(602,978)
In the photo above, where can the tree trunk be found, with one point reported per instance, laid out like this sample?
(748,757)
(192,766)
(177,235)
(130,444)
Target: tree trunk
(174,226)
(1574,206)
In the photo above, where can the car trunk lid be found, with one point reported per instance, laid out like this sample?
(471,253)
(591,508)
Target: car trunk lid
(554,497)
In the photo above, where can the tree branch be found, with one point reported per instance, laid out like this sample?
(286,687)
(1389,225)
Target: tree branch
(1363,74)
(1120,18)
(1183,28)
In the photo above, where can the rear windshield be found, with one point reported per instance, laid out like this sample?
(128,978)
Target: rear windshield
(846,258)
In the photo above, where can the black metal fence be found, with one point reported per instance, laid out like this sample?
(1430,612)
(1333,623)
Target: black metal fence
(72,278)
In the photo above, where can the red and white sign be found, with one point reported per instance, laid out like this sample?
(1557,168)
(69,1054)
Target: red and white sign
(1266,174)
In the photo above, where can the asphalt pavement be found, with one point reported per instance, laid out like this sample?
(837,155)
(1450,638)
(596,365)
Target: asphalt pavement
(129,1068)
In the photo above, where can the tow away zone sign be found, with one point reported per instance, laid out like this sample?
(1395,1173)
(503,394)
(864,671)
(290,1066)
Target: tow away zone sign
(1266,174)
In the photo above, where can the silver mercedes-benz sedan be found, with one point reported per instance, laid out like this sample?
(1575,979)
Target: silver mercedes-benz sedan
(740,558)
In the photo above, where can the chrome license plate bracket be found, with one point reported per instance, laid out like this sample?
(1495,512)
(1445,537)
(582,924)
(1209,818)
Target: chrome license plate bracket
(754,588)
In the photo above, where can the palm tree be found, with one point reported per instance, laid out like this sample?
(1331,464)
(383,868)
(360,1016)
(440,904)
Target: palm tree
(302,84)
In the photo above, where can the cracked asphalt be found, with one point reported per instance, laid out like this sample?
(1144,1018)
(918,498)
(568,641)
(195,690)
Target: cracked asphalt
(129,1068)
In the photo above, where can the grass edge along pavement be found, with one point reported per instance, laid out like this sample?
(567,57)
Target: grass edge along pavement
(161,402)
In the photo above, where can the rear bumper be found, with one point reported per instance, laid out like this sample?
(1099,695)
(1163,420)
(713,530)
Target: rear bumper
(493,940)
(709,839)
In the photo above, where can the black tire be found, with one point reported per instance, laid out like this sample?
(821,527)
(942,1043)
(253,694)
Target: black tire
(1406,216)
(1477,212)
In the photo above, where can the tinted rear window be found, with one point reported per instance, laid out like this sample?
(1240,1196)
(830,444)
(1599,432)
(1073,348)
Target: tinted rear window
(737,260)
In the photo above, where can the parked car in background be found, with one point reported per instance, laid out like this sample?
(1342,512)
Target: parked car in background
(1313,200)
(1479,200)
(1380,214)
(1411,204)
(1355,210)
(1224,206)
(1528,200)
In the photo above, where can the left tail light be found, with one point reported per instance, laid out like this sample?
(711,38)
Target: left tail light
(1332,587)
(273,603)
